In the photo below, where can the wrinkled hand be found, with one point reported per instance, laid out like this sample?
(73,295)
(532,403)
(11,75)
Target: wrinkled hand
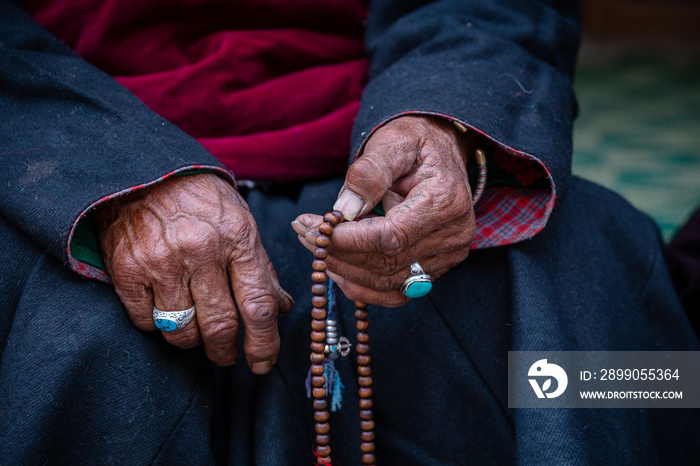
(416,167)
(191,240)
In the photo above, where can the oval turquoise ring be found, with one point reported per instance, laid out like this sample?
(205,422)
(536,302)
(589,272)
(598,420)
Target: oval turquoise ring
(169,321)
(418,284)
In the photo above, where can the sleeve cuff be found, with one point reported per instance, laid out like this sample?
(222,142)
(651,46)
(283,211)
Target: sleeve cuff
(84,254)
(519,195)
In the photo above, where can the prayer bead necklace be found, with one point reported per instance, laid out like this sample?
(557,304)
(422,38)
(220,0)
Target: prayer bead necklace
(324,340)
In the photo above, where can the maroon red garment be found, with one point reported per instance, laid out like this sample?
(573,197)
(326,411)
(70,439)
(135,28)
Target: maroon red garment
(270,87)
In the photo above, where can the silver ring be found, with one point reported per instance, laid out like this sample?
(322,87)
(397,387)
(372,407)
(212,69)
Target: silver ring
(169,321)
(418,283)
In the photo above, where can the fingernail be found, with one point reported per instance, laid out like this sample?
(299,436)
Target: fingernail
(299,227)
(262,367)
(288,297)
(311,236)
(350,204)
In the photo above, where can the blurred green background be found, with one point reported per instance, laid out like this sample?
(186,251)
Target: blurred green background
(638,131)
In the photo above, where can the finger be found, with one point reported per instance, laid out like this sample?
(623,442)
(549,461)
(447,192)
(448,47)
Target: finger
(216,313)
(369,276)
(171,292)
(138,301)
(254,293)
(387,157)
(356,292)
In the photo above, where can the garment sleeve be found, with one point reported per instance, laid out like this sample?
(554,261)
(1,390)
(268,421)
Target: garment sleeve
(502,68)
(72,138)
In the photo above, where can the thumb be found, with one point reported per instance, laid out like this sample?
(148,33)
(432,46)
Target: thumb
(370,177)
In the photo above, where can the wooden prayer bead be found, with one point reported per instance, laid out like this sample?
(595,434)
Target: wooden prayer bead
(318,277)
(325,228)
(318,290)
(362,325)
(367,436)
(317,369)
(320,404)
(330,218)
(363,359)
(322,427)
(318,381)
(359,305)
(367,447)
(318,265)
(318,347)
(338,215)
(368,458)
(323,450)
(361,314)
(319,301)
(362,348)
(320,253)
(366,424)
(366,414)
(365,392)
(323,241)
(321,416)
(318,314)
(364,381)
(318,337)
(362,337)
(323,439)
(318,325)
(366,403)
(318,392)
(317,358)
(364,370)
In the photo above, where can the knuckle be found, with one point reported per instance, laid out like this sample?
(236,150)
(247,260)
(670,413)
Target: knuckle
(392,240)
(186,338)
(219,332)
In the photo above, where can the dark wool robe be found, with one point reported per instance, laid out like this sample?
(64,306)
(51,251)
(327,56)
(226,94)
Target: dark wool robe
(80,385)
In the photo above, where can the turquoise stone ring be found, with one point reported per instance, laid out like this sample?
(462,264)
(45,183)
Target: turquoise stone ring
(417,284)
(169,321)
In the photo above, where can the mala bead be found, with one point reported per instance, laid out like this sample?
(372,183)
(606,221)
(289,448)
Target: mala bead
(367,436)
(320,253)
(319,277)
(362,325)
(319,392)
(363,359)
(318,337)
(362,348)
(318,290)
(319,301)
(319,265)
(366,403)
(321,416)
(323,451)
(364,381)
(318,347)
(365,392)
(318,313)
(317,358)
(325,229)
(364,370)
(318,325)
(367,425)
(368,458)
(318,381)
(323,241)
(332,219)
(322,427)
(317,369)
(323,439)
(320,404)
(366,414)
(367,447)
(360,314)
(362,337)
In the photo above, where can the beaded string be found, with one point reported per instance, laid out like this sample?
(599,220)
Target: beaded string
(319,347)
(323,379)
